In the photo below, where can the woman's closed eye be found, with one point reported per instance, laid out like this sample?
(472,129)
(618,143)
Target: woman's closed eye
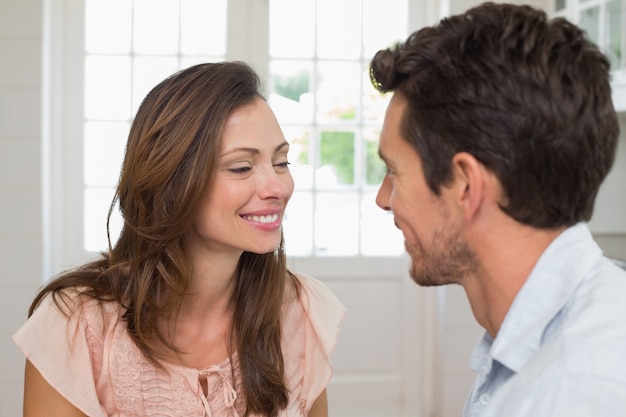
(284,164)
(240,169)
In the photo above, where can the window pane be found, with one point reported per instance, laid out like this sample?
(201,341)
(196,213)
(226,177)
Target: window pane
(336,159)
(292,28)
(299,151)
(97,203)
(147,73)
(188,61)
(107,87)
(297,225)
(374,103)
(156,27)
(165,35)
(104,152)
(329,111)
(337,224)
(203,27)
(338,90)
(108,26)
(290,86)
(374,166)
(381,24)
(339,29)
(589,21)
(379,235)
(613,33)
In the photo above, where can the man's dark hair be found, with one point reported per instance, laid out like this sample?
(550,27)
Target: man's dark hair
(528,97)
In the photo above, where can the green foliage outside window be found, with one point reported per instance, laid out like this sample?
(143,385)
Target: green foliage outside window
(375,168)
(292,87)
(337,150)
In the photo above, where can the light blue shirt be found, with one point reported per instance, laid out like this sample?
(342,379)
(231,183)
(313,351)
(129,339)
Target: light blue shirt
(561,350)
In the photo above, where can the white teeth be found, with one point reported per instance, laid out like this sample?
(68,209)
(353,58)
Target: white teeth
(270,218)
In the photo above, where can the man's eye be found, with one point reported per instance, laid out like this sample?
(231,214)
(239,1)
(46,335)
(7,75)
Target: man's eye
(282,164)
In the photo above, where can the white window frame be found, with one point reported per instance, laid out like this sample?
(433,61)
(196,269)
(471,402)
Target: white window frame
(572,13)
(63,79)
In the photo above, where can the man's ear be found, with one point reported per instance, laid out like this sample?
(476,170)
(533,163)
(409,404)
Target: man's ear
(470,182)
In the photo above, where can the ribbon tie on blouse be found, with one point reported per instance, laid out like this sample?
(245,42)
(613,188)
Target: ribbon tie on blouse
(230,395)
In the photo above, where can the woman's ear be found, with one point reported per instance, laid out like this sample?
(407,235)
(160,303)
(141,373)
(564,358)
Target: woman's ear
(470,183)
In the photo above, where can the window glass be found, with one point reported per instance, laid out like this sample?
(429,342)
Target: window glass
(107,87)
(375,168)
(589,20)
(559,4)
(148,71)
(291,97)
(321,92)
(338,29)
(156,26)
(108,26)
(336,158)
(603,22)
(103,152)
(384,23)
(202,27)
(290,37)
(615,32)
(130,46)
(336,223)
(317,84)
(379,235)
(297,225)
(338,91)
(97,203)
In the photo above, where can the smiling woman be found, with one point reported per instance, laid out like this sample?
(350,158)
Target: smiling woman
(108,54)
(246,200)
(192,311)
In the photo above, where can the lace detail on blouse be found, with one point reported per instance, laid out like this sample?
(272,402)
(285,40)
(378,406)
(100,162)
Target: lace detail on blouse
(141,389)
(127,383)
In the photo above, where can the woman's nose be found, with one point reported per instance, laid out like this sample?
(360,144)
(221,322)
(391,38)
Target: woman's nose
(274,184)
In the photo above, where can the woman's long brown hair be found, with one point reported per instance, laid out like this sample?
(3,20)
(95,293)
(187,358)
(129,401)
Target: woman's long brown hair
(172,148)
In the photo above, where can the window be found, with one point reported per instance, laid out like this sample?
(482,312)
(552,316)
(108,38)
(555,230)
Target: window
(130,46)
(331,115)
(316,73)
(605,24)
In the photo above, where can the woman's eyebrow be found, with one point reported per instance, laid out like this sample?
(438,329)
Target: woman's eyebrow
(281,146)
(252,151)
(255,151)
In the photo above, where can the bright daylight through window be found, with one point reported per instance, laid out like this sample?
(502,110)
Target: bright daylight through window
(318,85)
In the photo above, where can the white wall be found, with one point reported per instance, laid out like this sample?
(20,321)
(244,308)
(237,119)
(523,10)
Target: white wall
(20,183)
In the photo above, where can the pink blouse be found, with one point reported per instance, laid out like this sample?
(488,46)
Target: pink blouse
(91,360)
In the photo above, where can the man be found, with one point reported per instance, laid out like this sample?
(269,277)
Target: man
(496,140)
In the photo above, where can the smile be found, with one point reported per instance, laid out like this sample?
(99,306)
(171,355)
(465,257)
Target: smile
(270,218)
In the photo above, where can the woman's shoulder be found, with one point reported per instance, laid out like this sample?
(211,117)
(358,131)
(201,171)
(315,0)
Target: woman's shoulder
(317,308)
(78,309)
(310,328)
(65,339)
(315,294)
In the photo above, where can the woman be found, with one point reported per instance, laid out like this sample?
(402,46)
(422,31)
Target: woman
(192,312)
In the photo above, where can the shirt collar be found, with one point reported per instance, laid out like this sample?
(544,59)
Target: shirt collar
(559,270)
